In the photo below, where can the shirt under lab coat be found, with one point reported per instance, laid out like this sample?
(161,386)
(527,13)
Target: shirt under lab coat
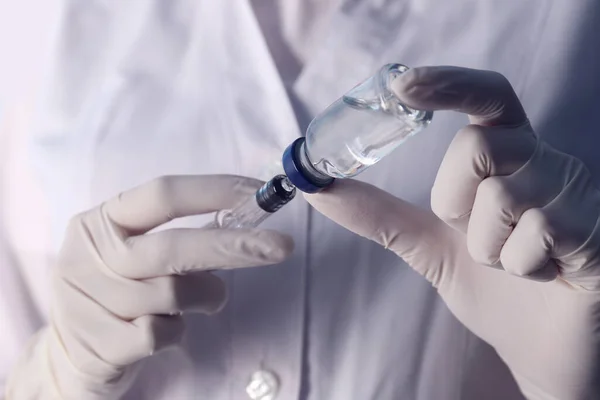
(134,90)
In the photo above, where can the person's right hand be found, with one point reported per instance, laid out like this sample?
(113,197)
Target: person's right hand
(118,291)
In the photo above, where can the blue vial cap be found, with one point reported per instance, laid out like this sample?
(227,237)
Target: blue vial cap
(303,175)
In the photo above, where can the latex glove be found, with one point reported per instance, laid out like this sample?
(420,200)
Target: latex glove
(518,205)
(119,291)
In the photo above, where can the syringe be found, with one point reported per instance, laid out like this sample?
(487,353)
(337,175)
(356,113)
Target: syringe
(352,134)
(268,199)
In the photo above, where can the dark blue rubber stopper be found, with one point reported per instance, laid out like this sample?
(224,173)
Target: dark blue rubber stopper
(300,171)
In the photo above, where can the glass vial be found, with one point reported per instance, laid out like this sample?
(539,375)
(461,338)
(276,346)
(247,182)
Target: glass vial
(253,211)
(353,133)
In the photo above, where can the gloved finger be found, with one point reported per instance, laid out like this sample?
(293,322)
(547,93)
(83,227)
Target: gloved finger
(476,153)
(501,200)
(178,251)
(96,340)
(497,208)
(200,292)
(411,232)
(570,226)
(528,250)
(128,299)
(159,201)
(486,96)
(143,337)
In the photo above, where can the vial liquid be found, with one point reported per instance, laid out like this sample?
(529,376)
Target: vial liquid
(353,133)
(253,211)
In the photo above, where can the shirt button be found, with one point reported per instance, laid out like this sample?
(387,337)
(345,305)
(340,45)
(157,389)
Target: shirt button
(263,385)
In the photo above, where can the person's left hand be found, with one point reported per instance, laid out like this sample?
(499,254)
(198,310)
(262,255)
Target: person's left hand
(515,252)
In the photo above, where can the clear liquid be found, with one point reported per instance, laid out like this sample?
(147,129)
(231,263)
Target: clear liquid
(246,215)
(353,134)
(249,214)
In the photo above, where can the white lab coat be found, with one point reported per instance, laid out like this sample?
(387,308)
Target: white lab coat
(133,90)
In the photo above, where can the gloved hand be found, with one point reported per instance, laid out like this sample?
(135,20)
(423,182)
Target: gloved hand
(119,291)
(515,252)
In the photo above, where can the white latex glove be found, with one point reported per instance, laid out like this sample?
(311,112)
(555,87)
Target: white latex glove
(119,291)
(508,200)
